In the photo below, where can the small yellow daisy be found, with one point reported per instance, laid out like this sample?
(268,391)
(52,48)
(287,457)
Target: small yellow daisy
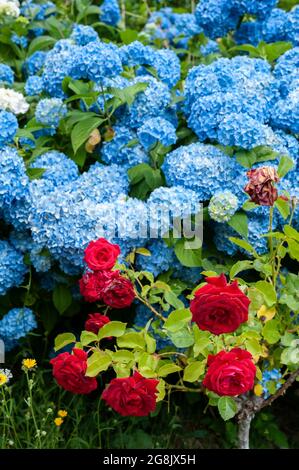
(62,413)
(29,363)
(3,379)
(258,390)
(58,421)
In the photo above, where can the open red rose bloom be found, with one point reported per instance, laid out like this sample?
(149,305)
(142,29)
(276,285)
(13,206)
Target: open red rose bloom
(132,396)
(219,307)
(230,373)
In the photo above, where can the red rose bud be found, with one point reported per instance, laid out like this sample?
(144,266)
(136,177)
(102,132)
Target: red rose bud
(230,373)
(219,307)
(69,371)
(119,292)
(132,396)
(93,284)
(101,255)
(95,322)
(261,187)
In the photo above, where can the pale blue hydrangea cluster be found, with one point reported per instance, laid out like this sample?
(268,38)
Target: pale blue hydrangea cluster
(218,17)
(230,101)
(176,28)
(34,85)
(13,178)
(211,47)
(6,75)
(119,150)
(110,12)
(162,258)
(156,130)
(8,127)
(16,324)
(223,206)
(19,40)
(49,112)
(203,168)
(34,63)
(272,376)
(82,34)
(12,267)
(280,25)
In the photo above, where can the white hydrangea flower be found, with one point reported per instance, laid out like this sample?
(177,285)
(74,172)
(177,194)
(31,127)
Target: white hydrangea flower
(9,8)
(13,101)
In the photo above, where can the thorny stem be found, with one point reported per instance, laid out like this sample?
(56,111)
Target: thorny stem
(145,302)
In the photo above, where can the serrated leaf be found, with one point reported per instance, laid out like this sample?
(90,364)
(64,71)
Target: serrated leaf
(193,371)
(167,369)
(96,363)
(63,340)
(82,130)
(88,337)
(113,328)
(283,207)
(182,338)
(131,340)
(188,257)
(177,319)
(268,292)
(243,244)
(227,407)
(239,222)
(270,332)
(240,266)
(285,165)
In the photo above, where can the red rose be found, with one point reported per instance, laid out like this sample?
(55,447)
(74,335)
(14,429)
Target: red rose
(69,372)
(219,307)
(230,373)
(92,284)
(101,255)
(95,322)
(132,396)
(119,292)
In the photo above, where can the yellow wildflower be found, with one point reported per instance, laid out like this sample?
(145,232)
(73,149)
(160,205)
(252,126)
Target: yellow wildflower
(258,390)
(58,421)
(29,363)
(3,379)
(62,413)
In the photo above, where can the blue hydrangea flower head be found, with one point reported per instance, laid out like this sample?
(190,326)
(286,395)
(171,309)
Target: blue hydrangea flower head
(8,127)
(34,85)
(162,258)
(211,47)
(33,64)
(6,75)
(203,168)
(12,267)
(59,169)
(223,206)
(83,35)
(110,12)
(19,40)
(118,151)
(155,130)
(16,324)
(50,111)
(270,377)
(13,179)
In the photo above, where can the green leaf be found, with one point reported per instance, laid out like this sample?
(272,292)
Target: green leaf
(283,207)
(124,356)
(227,407)
(285,165)
(96,363)
(177,319)
(268,292)
(188,257)
(253,346)
(127,95)
(35,173)
(131,340)
(239,222)
(182,338)
(40,43)
(113,328)
(150,343)
(276,49)
(88,337)
(291,232)
(143,251)
(128,35)
(293,249)
(172,299)
(82,130)
(202,341)
(240,266)
(243,244)
(167,369)
(62,298)
(193,371)
(270,331)
(63,340)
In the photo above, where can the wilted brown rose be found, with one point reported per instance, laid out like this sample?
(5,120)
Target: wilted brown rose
(260,187)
